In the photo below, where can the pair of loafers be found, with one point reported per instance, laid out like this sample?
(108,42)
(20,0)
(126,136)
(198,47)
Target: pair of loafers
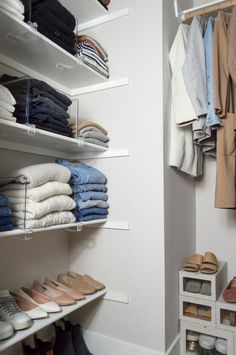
(206,264)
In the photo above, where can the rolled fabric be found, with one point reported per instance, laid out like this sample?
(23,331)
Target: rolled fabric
(39,209)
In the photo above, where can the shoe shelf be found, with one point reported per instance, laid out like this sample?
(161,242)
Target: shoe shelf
(53,317)
(217,282)
(75,227)
(19,137)
(26,46)
(226,309)
(218,333)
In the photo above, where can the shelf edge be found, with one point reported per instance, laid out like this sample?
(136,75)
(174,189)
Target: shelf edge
(100,87)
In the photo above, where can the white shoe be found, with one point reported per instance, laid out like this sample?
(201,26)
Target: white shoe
(221,346)
(6,330)
(28,307)
(42,301)
(207,341)
(10,312)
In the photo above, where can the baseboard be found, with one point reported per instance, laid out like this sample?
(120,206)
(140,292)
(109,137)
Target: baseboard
(103,345)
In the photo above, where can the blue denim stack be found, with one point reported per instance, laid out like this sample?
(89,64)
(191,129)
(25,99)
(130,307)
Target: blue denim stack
(89,191)
(5,214)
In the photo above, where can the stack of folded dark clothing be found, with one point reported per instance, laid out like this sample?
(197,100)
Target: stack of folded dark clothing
(89,191)
(5,214)
(90,132)
(54,21)
(37,103)
(92,54)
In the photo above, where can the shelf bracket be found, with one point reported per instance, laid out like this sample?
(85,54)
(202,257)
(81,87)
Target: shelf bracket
(26,236)
(76,229)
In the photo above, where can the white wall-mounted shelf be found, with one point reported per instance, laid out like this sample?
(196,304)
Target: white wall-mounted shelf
(30,48)
(72,227)
(85,10)
(42,323)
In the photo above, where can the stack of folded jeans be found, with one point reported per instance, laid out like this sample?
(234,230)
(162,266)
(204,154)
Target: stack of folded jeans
(7,104)
(54,21)
(39,196)
(90,132)
(89,191)
(5,214)
(13,7)
(92,54)
(39,104)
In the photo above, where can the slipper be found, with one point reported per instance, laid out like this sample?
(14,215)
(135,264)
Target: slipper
(229,294)
(207,341)
(209,265)
(193,263)
(204,313)
(193,286)
(206,288)
(191,310)
(221,346)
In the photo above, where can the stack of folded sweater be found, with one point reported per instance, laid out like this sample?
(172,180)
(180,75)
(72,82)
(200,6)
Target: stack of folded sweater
(7,104)
(54,21)
(39,104)
(92,54)
(89,191)
(13,7)
(5,214)
(39,196)
(90,132)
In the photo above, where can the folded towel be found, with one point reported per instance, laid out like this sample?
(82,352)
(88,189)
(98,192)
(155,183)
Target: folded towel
(37,194)
(92,203)
(39,209)
(88,187)
(4,201)
(6,95)
(50,219)
(40,174)
(90,195)
(82,173)
(84,124)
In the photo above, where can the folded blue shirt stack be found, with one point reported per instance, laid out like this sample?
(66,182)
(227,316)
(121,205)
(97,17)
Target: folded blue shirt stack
(5,214)
(89,191)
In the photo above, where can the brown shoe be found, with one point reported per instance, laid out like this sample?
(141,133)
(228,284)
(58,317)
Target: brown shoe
(88,279)
(60,298)
(76,284)
(75,295)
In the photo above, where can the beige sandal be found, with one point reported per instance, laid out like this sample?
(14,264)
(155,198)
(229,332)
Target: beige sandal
(209,265)
(194,263)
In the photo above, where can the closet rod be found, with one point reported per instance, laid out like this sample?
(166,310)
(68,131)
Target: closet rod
(209,8)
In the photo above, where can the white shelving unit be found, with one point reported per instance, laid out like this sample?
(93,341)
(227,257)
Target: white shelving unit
(42,323)
(85,10)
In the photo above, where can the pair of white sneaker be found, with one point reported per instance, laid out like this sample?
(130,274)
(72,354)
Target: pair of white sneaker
(11,317)
(210,342)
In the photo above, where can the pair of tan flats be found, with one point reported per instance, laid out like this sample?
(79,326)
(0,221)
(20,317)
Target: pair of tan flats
(83,284)
(206,264)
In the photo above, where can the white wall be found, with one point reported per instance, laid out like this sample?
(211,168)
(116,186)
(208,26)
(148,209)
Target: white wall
(179,196)
(130,262)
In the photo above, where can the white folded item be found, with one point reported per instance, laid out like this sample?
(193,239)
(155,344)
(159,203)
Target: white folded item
(8,118)
(16,4)
(50,219)
(11,10)
(6,95)
(37,194)
(4,112)
(40,174)
(5,105)
(39,209)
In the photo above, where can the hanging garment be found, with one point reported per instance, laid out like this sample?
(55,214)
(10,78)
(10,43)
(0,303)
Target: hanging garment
(184,155)
(194,72)
(212,120)
(223,95)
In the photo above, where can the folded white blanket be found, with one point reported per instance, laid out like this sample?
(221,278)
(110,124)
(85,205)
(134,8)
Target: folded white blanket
(6,95)
(39,209)
(51,219)
(11,10)
(39,174)
(37,194)
(5,105)
(16,4)
(4,112)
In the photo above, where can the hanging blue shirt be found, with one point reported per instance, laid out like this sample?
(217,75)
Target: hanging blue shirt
(212,119)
